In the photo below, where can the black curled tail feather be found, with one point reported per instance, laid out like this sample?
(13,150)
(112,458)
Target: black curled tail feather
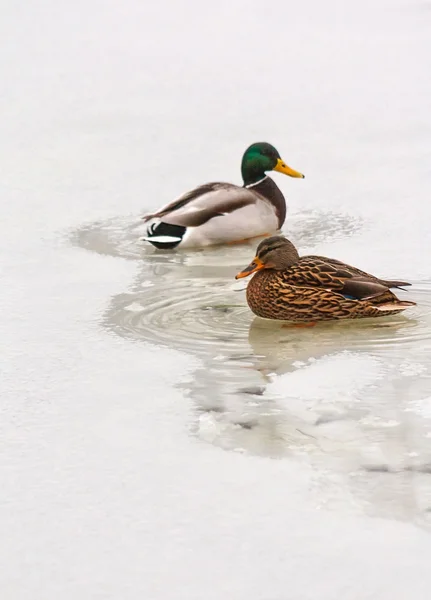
(157,231)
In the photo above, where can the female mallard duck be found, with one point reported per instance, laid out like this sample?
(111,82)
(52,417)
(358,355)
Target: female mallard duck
(314,288)
(219,213)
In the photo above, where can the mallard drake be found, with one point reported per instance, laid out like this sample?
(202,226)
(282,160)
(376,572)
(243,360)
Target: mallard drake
(219,213)
(314,288)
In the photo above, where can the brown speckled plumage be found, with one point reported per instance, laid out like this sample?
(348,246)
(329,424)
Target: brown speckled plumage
(314,288)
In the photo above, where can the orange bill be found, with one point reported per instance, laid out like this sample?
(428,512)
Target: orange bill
(255,265)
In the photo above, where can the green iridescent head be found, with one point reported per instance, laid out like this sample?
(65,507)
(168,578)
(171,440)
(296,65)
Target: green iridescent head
(260,158)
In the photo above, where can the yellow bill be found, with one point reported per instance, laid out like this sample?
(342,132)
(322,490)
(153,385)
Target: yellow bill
(281,167)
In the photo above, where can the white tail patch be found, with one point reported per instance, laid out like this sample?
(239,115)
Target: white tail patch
(162,239)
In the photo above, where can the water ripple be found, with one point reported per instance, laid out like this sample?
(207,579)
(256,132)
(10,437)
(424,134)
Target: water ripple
(195,316)
(208,315)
